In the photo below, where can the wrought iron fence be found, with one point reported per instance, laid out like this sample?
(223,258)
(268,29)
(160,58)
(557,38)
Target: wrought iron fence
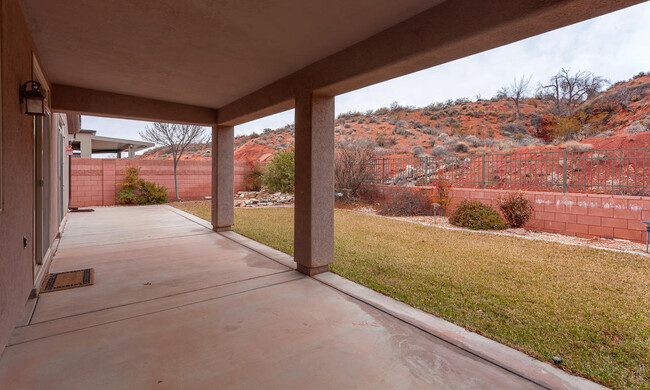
(613,171)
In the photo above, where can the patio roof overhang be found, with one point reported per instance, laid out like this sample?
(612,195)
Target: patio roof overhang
(209,62)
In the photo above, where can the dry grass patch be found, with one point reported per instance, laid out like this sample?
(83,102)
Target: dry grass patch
(589,306)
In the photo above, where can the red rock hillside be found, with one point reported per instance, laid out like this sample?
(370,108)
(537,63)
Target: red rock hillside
(617,118)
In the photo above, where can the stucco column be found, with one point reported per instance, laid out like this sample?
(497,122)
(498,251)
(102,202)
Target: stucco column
(223,178)
(314,211)
(85,145)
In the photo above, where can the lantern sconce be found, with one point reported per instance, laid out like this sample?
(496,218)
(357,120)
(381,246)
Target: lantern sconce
(31,94)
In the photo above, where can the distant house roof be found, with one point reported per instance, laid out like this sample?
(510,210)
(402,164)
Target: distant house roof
(101,144)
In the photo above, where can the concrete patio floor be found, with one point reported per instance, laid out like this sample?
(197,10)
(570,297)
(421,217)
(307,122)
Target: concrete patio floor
(175,305)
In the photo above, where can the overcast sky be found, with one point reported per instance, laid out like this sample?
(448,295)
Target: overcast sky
(615,46)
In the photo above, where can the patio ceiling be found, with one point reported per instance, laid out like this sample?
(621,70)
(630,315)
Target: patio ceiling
(248,58)
(203,52)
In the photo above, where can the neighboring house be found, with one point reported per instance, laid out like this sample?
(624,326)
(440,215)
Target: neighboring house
(87,142)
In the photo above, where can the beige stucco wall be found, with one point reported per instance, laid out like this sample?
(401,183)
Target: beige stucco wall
(16,171)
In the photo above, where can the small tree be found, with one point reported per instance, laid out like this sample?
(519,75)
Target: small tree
(280,173)
(516,92)
(571,89)
(352,163)
(177,138)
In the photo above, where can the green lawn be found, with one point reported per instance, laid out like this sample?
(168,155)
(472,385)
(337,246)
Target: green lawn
(589,306)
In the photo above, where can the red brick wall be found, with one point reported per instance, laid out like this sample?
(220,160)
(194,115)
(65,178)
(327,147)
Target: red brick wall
(582,215)
(94,181)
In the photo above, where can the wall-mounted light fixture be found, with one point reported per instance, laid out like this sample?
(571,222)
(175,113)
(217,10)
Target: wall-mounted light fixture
(31,94)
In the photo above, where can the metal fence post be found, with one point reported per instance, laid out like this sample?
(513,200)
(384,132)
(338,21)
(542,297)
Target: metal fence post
(426,171)
(564,183)
(383,170)
(483,172)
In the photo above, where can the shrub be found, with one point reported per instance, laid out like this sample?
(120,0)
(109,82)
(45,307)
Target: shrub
(513,128)
(638,127)
(476,216)
(279,173)
(473,140)
(440,151)
(443,192)
(127,193)
(575,146)
(151,193)
(352,163)
(405,202)
(253,180)
(461,147)
(516,209)
(138,191)
(418,150)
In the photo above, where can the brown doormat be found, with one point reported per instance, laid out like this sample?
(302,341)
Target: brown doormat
(70,279)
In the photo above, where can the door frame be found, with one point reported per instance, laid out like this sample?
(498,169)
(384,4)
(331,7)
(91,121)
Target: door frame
(41,215)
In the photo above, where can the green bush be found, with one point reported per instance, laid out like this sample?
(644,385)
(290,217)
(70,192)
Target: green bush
(151,193)
(516,209)
(279,173)
(139,191)
(477,216)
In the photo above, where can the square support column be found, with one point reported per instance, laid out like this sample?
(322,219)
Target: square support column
(314,210)
(223,178)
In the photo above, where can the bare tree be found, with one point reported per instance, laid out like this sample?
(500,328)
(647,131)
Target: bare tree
(177,138)
(352,163)
(571,89)
(554,89)
(516,92)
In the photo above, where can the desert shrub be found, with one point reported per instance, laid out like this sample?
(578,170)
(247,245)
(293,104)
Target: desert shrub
(440,151)
(513,128)
(402,131)
(134,190)
(253,179)
(405,202)
(473,140)
(380,139)
(279,173)
(477,216)
(461,147)
(575,146)
(352,163)
(418,150)
(604,134)
(638,127)
(428,130)
(516,209)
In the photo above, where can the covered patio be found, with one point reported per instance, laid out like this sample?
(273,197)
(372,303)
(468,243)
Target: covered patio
(183,303)
(176,305)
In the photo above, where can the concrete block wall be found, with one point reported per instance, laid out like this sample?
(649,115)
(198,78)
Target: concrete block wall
(95,181)
(581,215)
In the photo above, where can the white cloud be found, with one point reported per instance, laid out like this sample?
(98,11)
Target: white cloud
(614,46)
